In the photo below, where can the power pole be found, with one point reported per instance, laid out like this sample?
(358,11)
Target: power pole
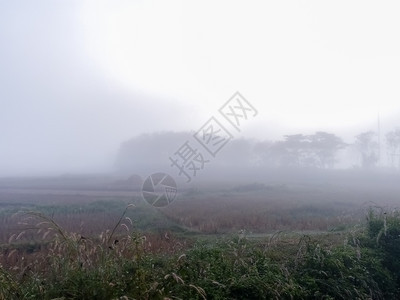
(379,139)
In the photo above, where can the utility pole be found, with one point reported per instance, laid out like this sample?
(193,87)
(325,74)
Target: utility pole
(379,139)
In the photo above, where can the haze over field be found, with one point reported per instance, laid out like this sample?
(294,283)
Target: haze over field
(199,149)
(78,78)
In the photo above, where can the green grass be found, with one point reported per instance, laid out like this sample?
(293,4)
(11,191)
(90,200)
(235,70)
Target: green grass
(359,264)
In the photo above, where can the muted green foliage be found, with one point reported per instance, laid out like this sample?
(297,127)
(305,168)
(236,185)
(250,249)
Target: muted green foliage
(384,238)
(365,267)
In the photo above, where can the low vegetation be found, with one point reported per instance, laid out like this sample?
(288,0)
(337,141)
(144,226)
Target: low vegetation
(360,263)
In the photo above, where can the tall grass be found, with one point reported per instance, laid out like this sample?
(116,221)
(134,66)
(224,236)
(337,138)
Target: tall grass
(361,264)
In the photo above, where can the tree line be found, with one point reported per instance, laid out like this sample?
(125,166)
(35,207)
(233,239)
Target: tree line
(321,150)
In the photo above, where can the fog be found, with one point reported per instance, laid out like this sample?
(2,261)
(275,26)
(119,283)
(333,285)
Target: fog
(102,87)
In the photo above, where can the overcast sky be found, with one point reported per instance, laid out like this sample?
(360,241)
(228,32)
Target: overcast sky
(79,77)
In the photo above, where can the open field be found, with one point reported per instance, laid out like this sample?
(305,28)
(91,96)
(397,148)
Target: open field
(215,241)
(91,204)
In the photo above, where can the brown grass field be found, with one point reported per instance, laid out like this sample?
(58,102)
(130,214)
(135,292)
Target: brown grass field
(87,224)
(93,204)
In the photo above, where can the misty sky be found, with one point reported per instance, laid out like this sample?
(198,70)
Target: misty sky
(79,77)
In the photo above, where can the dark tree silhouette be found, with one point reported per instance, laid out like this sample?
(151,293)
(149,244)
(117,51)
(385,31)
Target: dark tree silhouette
(149,152)
(317,150)
(368,148)
(325,146)
(393,147)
